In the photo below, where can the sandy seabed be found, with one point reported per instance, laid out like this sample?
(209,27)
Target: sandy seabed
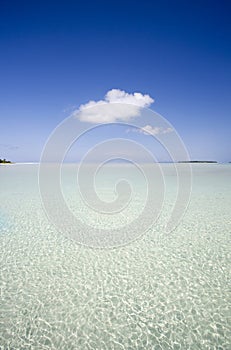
(158,292)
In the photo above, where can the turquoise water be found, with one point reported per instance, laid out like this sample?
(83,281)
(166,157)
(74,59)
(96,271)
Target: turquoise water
(3,223)
(158,292)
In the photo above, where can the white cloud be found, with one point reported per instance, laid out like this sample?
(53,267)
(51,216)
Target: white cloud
(150,130)
(117,105)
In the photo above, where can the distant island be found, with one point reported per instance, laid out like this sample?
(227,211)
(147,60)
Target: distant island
(4,161)
(197,161)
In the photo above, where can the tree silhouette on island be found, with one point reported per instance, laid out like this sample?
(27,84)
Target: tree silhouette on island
(4,161)
(197,161)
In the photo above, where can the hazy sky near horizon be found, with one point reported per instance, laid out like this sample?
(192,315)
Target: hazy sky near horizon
(57,55)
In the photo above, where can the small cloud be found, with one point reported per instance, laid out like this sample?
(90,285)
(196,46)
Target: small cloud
(150,130)
(117,105)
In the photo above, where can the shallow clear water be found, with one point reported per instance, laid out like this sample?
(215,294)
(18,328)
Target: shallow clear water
(158,292)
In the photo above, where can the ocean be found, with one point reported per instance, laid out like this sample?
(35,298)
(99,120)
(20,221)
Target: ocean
(109,283)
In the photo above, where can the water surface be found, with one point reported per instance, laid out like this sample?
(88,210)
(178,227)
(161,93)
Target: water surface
(155,293)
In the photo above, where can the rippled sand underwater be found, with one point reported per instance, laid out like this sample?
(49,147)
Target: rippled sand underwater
(155,293)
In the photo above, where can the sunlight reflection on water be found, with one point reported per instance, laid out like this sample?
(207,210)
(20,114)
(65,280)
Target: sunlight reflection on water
(157,292)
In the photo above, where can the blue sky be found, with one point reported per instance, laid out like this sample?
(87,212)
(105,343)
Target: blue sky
(56,55)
